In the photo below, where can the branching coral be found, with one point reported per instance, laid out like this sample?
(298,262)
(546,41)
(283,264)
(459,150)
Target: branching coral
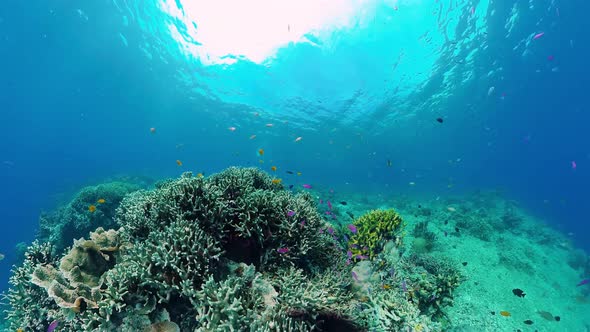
(374,229)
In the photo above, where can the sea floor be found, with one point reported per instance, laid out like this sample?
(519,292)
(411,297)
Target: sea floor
(498,247)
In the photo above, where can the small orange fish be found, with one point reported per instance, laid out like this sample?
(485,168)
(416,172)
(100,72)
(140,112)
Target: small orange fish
(101,201)
(92,208)
(274,168)
(261,152)
(505,313)
(179,163)
(277,181)
(20,330)
(386,286)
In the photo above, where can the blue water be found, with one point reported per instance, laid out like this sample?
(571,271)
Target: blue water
(83,83)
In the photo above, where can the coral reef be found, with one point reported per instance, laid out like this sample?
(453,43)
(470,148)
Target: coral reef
(232,252)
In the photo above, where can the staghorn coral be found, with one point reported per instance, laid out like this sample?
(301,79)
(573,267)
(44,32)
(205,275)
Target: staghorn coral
(29,306)
(374,229)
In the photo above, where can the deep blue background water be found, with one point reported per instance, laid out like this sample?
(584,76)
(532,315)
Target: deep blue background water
(76,105)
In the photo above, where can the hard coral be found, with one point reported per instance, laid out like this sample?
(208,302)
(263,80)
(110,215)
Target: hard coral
(374,229)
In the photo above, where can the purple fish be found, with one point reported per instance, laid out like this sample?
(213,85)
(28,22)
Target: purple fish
(352,228)
(307,186)
(302,223)
(348,262)
(349,254)
(330,230)
(329,205)
(321,231)
(290,213)
(52,326)
(583,282)
(360,257)
(404,286)
(283,250)
(328,212)
(354,276)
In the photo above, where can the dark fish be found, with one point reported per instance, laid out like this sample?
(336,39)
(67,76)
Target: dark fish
(528,322)
(440,120)
(289,172)
(419,206)
(446,233)
(518,292)
(290,186)
(557,318)
(464,263)
(457,229)
(388,163)
(446,222)
(343,203)
(492,312)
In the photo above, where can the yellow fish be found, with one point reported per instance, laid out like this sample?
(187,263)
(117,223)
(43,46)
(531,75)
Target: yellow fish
(261,152)
(505,313)
(101,201)
(20,330)
(274,168)
(386,286)
(261,161)
(179,163)
(277,181)
(199,175)
(92,208)
(298,173)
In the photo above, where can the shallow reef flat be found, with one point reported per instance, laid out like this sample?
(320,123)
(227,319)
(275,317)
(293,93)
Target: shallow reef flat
(237,251)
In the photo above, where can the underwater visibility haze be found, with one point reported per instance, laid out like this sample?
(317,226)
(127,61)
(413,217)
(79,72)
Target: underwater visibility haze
(327,165)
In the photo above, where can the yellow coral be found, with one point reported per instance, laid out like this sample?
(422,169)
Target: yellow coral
(373,230)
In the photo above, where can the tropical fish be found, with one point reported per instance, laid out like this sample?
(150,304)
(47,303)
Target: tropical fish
(349,254)
(343,203)
(283,250)
(330,230)
(261,152)
(388,163)
(273,168)
(329,205)
(290,186)
(152,130)
(277,181)
(289,172)
(232,128)
(539,35)
(52,326)
(439,120)
(269,125)
(528,322)
(298,173)
(298,139)
(354,276)
(404,286)
(290,213)
(178,162)
(2,256)
(92,208)
(200,175)
(583,282)
(518,292)
(386,286)
(101,201)
(505,313)
(545,314)
(252,136)
(352,228)
(307,186)
(574,165)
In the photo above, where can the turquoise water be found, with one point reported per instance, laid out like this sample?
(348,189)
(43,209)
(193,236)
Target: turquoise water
(473,110)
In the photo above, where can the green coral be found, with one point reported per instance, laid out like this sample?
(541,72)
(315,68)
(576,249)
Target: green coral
(374,229)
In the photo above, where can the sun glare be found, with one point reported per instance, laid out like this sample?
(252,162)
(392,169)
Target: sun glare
(221,30)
